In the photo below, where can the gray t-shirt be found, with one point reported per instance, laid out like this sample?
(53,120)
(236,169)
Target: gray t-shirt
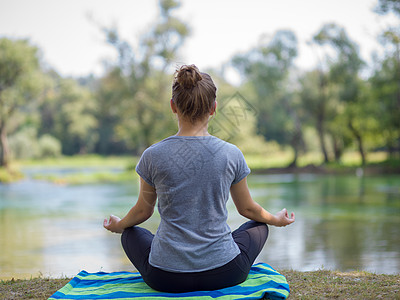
(192,177)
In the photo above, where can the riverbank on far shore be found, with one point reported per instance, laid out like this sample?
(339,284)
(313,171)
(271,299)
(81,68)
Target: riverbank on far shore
(99,167)
(368,170)
(322,284)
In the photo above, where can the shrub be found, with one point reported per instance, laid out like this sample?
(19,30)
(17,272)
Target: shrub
(23,144)
(49,146)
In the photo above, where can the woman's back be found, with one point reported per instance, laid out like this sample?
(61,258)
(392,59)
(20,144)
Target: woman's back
(192,177)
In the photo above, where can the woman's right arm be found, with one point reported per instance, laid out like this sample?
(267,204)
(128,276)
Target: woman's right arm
(250,209)
(140,212)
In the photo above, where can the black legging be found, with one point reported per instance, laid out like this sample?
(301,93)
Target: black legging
(250,237)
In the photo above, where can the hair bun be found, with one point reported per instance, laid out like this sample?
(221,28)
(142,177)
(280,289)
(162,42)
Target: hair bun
(188,76)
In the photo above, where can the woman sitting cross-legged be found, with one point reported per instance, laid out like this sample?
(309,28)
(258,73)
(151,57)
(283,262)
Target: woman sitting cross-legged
(192,173)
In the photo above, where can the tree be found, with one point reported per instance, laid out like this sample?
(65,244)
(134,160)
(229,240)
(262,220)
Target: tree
(386,79)
(343,77)
(236,117)
(19,84)
(313,95)
(109,95)
(386,90)
(267,68)
(385,6)
(144,82)
(67,114)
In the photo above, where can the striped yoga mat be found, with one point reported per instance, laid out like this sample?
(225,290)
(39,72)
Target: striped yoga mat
(263,281)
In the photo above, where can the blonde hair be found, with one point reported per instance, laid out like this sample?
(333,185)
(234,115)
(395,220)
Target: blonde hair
(193,93)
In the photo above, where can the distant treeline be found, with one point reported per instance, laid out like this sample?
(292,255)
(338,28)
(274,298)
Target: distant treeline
(332,108)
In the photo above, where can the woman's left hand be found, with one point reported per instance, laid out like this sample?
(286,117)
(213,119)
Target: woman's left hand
(113,224)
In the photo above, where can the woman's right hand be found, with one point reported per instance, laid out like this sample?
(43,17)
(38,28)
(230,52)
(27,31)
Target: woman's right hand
(113,224)
(282,218)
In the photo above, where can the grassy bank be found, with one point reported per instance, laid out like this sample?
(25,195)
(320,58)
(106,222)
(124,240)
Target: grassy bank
(100,166)
(10,174)
(303,285)
(76,161)
(274,163)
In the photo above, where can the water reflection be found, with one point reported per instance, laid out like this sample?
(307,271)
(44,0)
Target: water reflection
(342,223)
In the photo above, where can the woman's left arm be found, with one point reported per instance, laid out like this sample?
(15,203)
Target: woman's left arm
(140,212)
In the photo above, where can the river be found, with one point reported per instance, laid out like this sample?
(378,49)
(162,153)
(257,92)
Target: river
(342,223)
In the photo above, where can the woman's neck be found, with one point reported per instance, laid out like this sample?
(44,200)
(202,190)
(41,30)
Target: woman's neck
(186,128)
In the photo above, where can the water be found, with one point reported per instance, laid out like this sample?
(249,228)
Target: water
(342,223)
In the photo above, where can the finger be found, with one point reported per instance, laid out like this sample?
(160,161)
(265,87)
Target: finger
(105,223)
(286,213)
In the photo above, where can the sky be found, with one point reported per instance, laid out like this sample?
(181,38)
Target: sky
(69,36)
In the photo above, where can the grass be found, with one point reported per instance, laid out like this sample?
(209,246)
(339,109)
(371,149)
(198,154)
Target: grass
(284,158)
(10,174)
(35,288)
(92,178)
(320,284)
(325,284)
(126,163)
(87,160)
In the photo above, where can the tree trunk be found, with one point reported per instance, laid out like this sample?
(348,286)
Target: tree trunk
(297,138)
(105,132)
(322,140)
(390,146)
(337,149)
(360,143)
(321,115)
(297,141)
(398,93)
(4,150)
(293,164)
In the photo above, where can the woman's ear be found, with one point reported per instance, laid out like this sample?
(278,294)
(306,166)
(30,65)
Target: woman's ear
(214,109)
(173,106)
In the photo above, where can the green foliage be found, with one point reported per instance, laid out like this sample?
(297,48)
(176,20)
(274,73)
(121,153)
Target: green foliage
(339,96)
(20,83)
(67,114)
(23,144)
(236,118)
(385,89)
(109,105)
(17,60)
(330,108)
(267,68)
(138,86)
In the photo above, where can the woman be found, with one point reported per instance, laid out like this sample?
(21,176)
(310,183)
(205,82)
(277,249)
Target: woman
(191,174)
